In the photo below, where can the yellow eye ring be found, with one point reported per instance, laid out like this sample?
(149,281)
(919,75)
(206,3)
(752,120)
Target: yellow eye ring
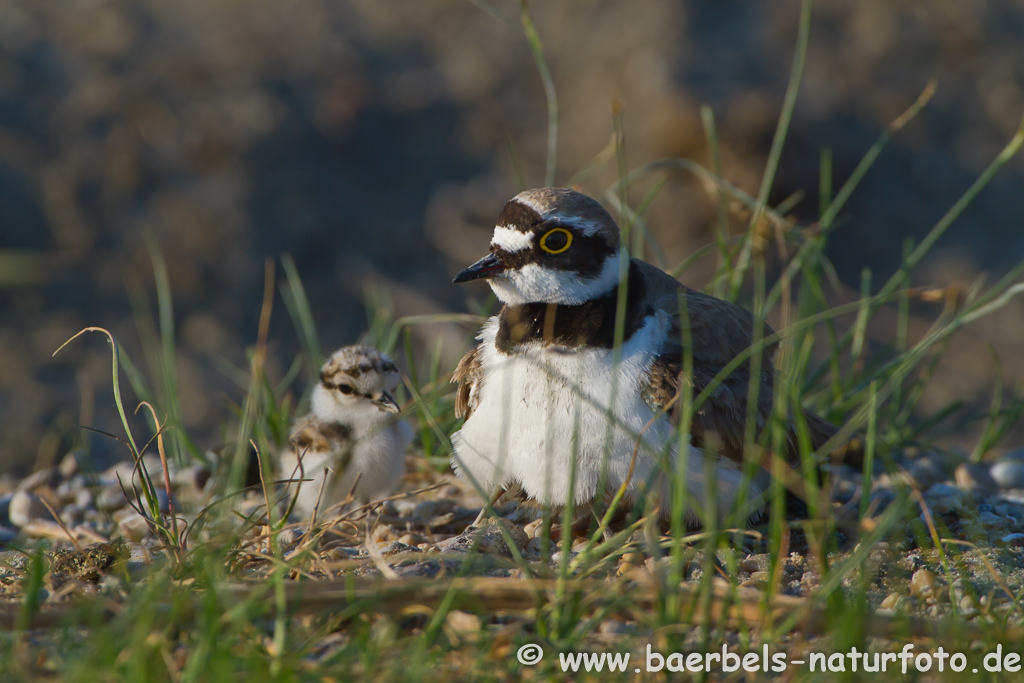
(549,233)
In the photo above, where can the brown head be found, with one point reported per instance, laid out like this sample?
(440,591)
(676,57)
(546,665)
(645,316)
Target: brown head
(354,380)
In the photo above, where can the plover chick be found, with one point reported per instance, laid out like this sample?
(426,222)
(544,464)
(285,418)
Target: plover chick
(352,431)
(549,388)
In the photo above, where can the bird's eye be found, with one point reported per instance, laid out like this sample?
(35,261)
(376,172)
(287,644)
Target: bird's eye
(345,389)
(556,240)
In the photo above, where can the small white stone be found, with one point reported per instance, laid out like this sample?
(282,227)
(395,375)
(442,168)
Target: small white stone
(991,519)
(1013,539)
(44,477)
(943,490)
(26,507)
(68,466)
(133,526)
(1008,474)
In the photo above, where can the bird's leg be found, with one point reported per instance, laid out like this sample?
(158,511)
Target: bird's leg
(488,504)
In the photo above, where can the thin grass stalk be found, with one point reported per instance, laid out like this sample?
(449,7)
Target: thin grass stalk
(251,408)
(297,303)
(168,364)
(869,449)
(775,153)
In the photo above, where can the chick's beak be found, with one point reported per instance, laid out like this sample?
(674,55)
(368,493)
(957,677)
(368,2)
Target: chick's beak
(488,266)
(386,402)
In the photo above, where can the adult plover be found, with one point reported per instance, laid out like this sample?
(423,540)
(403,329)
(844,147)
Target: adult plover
(351,430)
(546,386)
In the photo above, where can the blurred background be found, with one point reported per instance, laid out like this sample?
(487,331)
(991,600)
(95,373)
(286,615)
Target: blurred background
(373,141)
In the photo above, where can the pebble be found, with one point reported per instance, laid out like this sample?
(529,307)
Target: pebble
(535,546)
(945,505)
(45,528)
(84,498)
(634,558)
(960,593)
(1015,539)
(991,519)
(404,507)
(287,537)
(132,525)
(943,490)
(559,555)
(755,563)
(1008,474)
(487,538)
(894,601)
(426,509)
(926,469)
(923,584)
(111,498)
(72,515)
(139,558)
(25,507)
(397,548)
(44,477)
(464,625)
(758,580)
(881,548)
(534,528)
(69,465)
(339,553)
(194,477)
(126,470)
(66,491)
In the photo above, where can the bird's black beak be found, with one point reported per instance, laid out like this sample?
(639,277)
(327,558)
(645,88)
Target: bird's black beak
(387,402)
(488,266)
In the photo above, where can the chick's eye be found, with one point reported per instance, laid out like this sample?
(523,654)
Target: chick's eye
(556,240)
(345,389)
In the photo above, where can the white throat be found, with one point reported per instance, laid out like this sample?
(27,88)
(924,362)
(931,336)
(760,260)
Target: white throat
(358,413)
(535,284)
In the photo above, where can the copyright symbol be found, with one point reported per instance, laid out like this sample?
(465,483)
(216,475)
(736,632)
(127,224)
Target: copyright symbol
(530,654)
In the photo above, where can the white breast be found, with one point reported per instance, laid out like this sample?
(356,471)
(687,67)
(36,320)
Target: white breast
(542,409)
(378,459)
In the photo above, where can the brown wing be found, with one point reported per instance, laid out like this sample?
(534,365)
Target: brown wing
(313,437)
(469,376)
(718,332)
(316,436)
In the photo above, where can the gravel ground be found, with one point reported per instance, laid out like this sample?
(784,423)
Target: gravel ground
(428,534)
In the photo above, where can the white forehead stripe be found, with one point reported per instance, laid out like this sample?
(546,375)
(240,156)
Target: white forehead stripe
(547,212)
(511,240)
